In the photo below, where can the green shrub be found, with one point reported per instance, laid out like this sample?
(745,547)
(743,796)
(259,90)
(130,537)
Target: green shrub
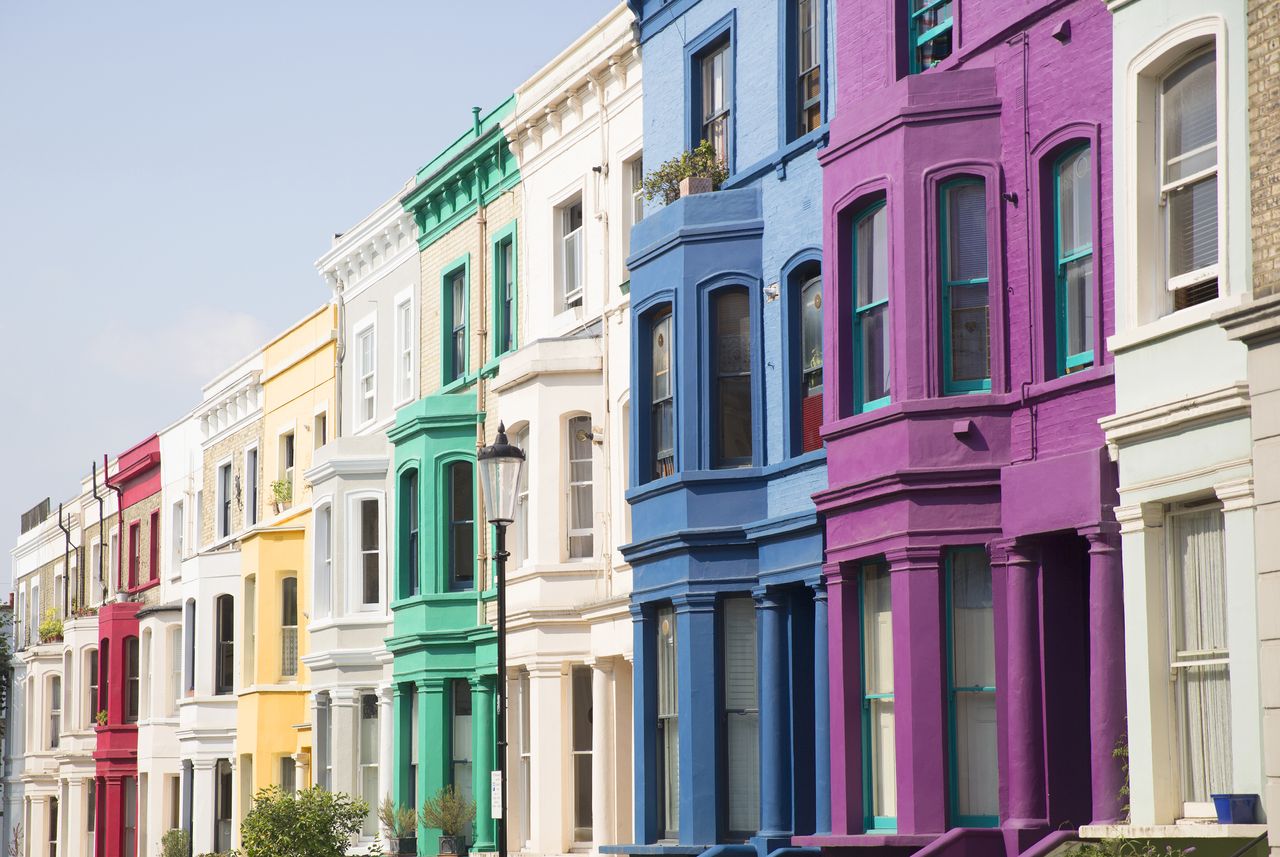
(175,843)
(310,823)
(448,811)
(664,181)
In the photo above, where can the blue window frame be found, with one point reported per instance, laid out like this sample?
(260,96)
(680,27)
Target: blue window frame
(454,306)
(871,308)
(1073,259)
(662,395)
(732,413)
(966,335)
(807,69)
(711,91)
(460,547)
(930,32)
(971,690)
(879,771)
(505,287)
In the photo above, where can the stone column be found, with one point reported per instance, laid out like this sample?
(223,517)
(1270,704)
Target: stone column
(1022,698)
(644,708)
(916,586)
(775,717)
(433,751)
(697,678)
(202,814)
(482,752)
(403,726)
(603,788)
(343,712)
(821,712)
(547,782)
(1106,672)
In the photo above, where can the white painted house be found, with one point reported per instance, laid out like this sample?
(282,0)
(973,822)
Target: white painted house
(1181,433)
(374,272)
(563,393)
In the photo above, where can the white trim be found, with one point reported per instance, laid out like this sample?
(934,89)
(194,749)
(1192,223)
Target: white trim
(323,505)
(228,463)
(403,300)
(354,565)
(251,485)
(359,397)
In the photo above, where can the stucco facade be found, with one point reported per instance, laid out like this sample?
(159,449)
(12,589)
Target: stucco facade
(563,394)
(1181,430)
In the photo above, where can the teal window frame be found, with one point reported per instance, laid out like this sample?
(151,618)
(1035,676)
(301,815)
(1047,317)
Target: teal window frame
(450,372)
(918,38)
(871,822)
(409,531)
(506,326)
(953,772)
(951,387)
(450,522)
(1066,362)
(862,405)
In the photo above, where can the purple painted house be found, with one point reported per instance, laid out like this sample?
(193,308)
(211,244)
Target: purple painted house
(976,614)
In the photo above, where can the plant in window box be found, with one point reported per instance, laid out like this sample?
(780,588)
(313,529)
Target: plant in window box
(101,717)
(679,176)
(50,627)
(401,825)
(282,494)
(450,812)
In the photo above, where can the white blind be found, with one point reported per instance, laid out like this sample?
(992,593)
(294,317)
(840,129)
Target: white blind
(740,686)
(742,725)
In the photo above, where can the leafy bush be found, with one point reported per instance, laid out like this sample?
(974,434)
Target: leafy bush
(282,491)
(101,717)
(448,811)
(310,823)
(175,843)
(664,181)
(399,821)
(50,627)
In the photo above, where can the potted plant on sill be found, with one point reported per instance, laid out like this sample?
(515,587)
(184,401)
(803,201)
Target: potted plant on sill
(401,824)
(450,812)
(698,171)
(50,627)
(281,494)
(101,717)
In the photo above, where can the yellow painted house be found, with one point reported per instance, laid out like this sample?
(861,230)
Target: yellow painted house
(273,741)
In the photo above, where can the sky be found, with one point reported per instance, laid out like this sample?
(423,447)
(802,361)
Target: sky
(170,171)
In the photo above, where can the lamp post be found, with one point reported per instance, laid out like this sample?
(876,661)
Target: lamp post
(500,467)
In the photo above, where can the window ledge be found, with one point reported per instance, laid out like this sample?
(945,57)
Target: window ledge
(1084,378)
(142,587)
(777,161)
(458,384)
(1172,324)
(1185,829)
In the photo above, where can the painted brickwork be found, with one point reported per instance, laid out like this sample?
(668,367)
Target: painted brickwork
(140,513)
(232,446)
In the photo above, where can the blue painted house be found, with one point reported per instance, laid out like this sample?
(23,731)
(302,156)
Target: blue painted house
(731,715)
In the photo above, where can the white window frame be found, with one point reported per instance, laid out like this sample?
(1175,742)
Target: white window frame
(354,554)
(253,499)
(406,340)
(113,560)
(92,584)
(570,532)
(53,709)
(219,500)
(367,762)
(366,400)
(567,299)
(177,537)
(320,417)
(319,611)
(288,474)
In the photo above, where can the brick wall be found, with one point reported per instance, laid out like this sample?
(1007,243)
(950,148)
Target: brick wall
(233,445)
(1264,142)
(140,513)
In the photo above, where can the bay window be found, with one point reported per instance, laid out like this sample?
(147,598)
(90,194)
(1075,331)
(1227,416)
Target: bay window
(580,748)
(1188,113)
(55,711)
(132,680)
(92,701)
(459,484)
(369,760)
(878,728)
(224,645)
(460,743)
(732,412)
(520,550)
(971,689)
(370,554)
(871,308)
(323,563)
(966,338)
(742,716)
(289,627)
(1073,259)
(411,582)
(661,388)
(930,32)
(581,510)
(811,362)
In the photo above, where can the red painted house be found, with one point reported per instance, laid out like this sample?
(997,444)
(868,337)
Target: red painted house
(134,580)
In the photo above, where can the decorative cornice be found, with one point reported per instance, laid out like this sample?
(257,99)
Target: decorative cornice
(1255,322)
(376,244)
(1215,406)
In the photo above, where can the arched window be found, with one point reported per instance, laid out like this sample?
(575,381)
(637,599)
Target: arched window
(410,577)
(132,680)
(661,390)
(1073,259)
(871,308)
(289,627)
(104,676)
(323,562)
(806,376)
(92,703)
(581,508)
(224,645)
(966,339)
(144,710)
(731,340)
(55,711)
(460,541)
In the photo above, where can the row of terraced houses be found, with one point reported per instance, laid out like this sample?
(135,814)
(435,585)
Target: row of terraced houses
(915,491)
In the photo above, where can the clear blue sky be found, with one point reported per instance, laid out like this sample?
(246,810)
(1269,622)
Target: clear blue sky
(170,171)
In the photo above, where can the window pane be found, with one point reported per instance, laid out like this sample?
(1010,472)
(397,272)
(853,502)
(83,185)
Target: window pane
(668,722)
(742,716)
(931,32)
(581,509)
(1078,283)
(973,683)
(970,339)
(1204,697)
(733,371)
(369,551)
(1190,118)
(1193,227)
(811,335)
(1075,203)
(874,325)
(976,775)
(461,516)
(967,232)
(877,625)
(873,259)
(973,622)
(1199,581)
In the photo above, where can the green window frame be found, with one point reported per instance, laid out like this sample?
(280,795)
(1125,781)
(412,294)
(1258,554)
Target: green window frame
(871,331)
(1073,260)
(931,33)
(967,591)
(966,286)
(505,291)
(460,523)
(410,529)
(875,601)
(455,301)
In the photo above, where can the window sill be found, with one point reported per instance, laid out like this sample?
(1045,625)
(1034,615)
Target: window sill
(1173,324)
(142,587)
(459,383)
(778,161)
(1064,383)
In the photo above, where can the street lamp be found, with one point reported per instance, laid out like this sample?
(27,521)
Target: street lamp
(500,467)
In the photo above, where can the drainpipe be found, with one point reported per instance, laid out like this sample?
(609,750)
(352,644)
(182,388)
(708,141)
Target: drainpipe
(119,517)
(482,326)
(602,187)
(66,565)
(102,529)
(339,354)
(1021,38)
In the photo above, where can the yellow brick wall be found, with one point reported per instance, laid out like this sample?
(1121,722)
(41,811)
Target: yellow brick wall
(1264,142)
(234,445)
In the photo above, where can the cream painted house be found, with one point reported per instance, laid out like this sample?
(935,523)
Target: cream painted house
(563,394)
(1181,432)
